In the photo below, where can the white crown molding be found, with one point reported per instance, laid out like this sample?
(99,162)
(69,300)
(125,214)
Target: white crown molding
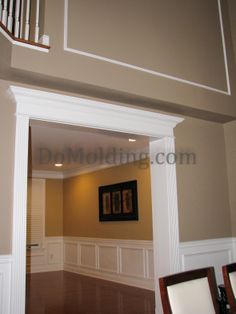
(47,174)
(47,106)
(149,71)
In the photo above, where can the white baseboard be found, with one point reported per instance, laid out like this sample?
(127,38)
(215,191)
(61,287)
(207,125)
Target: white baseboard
(124,261)
(5,282)
(215,252)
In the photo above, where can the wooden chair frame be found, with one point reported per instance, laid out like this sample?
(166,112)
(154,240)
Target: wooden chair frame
(187,276)
(227,269)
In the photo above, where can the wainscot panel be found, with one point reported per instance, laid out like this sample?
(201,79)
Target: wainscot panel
(5,283)
(49,258)
(215,252)
(123,261)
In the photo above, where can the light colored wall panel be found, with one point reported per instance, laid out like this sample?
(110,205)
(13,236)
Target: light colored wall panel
(70,253)
(216,253)
(88,255)
(132,262)
(5,281)
(108,258)
(150,264)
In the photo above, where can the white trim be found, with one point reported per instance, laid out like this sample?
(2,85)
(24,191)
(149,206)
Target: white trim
(149,71)
(47,174)
(92,265)
(203,253)
(5,282)
(22,44)
(45,106)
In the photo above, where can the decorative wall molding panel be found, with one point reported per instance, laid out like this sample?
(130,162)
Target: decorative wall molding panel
(151,71)
(5,283)
(125,261)
(216,252)
(49,258)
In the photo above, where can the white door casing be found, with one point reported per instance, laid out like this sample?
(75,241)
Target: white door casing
(52,107)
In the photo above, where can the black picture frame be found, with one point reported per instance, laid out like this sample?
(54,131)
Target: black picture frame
(118,202)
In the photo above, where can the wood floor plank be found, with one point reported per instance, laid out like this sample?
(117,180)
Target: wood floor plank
(68,293)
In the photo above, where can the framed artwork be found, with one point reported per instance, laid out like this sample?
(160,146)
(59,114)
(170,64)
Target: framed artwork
(118,202)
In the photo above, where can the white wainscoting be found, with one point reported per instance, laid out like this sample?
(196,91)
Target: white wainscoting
(124,261)
(216,252)
(5,282)
(49,258)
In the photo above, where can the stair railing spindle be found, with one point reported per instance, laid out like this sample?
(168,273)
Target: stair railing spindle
(27,26)
(4,13)
(17,22)
(10,16)
(36,37)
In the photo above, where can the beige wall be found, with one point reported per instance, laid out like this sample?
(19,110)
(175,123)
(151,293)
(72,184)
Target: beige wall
(7,138)
(54,208)
(230,144)
(190,48)
(81,205)
(202,188)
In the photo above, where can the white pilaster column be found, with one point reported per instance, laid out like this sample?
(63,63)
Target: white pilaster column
(19,216)
(165,212)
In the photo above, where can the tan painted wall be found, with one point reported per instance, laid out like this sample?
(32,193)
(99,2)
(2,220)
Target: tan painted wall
(190,48)
(202,188)
(230,144)
(7,139)
(81,205)
(54,208)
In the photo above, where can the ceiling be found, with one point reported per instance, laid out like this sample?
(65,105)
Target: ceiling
(79,148)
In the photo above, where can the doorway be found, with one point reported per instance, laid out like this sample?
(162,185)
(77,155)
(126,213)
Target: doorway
(44,106)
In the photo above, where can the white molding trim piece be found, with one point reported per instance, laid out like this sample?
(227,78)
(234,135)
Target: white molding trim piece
(5,283)
(91,264)
(42,174)
(18,277)
(149,71)
(214,252)
(52,107)
(22,44)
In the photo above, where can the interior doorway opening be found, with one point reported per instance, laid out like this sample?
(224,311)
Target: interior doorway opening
(66,229)
(51,107)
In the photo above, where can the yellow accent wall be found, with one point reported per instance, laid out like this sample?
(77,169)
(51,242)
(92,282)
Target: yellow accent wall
(80,204)
(54,208)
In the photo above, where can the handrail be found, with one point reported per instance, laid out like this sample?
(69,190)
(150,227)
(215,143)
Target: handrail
(20,19)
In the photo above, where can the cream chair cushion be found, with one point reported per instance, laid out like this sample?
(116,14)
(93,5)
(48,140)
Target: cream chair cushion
(232,278)
(192,296)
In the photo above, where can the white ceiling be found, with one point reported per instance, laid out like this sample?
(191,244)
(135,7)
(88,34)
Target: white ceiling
(53,143)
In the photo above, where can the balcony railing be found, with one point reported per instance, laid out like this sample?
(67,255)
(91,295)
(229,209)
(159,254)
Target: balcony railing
(20,19)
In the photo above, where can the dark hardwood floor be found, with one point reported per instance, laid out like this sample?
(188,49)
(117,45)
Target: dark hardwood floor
(68,293)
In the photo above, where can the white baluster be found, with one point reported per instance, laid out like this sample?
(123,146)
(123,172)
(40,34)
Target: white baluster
(4,13)
(17,22)
(0,10)
(36,36)
(27,28)
(10,17)
(22,18)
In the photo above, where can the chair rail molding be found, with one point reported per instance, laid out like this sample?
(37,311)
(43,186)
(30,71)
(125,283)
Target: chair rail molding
(150,71)
(59,108)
